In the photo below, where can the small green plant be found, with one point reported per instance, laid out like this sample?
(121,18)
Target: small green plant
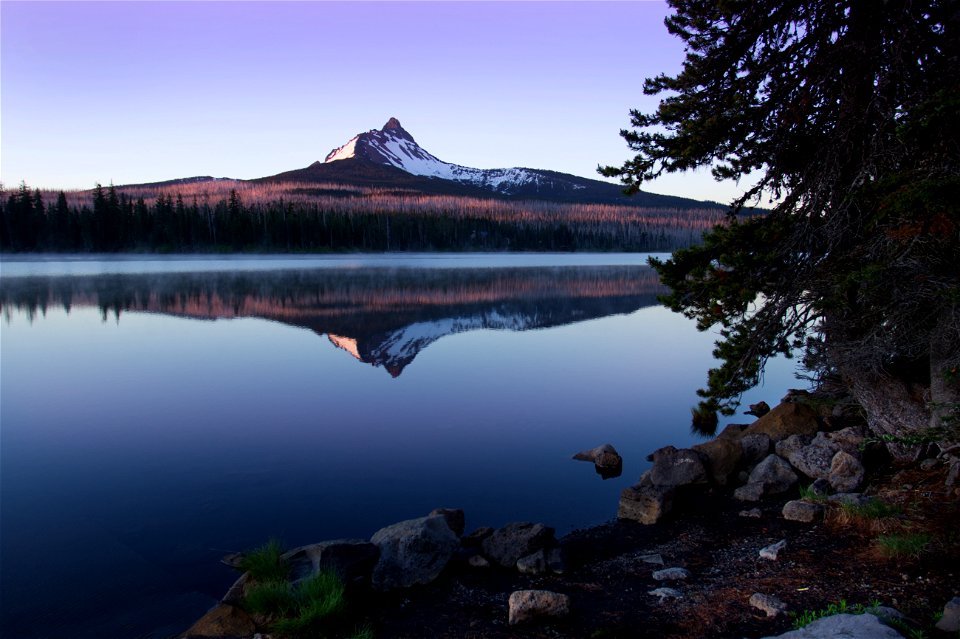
(903,544)
(807,617)
(365,632)
(266,562)
(806,492)
(872,509)
(270,598)
(316,599)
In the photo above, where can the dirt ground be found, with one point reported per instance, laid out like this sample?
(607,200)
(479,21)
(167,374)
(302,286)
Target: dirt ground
(609,581)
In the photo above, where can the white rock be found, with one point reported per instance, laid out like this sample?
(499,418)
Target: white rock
(771,551)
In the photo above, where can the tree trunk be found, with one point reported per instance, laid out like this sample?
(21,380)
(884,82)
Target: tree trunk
(892,408)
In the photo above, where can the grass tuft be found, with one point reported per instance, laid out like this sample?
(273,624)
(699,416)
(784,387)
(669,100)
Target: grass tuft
(315,600)
(902,545)
(266,562)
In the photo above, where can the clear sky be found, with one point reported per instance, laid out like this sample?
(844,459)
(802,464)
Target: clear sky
(145,91)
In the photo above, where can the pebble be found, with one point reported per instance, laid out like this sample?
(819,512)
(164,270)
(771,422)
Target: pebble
(667,593)
(671,574)
(771,551)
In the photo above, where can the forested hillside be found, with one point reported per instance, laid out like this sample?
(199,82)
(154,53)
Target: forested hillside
(231,215)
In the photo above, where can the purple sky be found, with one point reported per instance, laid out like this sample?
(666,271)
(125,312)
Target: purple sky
(144,91)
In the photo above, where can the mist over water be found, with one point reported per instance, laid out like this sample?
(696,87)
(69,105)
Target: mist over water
(158,414)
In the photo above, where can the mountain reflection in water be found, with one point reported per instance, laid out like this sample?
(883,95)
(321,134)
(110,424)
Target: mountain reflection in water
(380,316)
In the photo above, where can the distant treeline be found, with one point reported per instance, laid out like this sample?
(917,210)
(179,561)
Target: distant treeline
(228,215)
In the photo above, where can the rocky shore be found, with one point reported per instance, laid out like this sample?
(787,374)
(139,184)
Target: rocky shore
(796,516)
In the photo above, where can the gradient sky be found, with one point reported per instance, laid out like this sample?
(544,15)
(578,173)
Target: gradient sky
(144,91)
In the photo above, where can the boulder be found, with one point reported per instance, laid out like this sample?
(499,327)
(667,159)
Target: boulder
(455,519)
(821,488)
(671,574)
(604,456)
(759,409)
(950,621)
(846,472)
(535,564)
(527,605)
(223,620)
(754,448)
(749,492)
(515,540)
(772,551)
(865,626)
(722,458)
(644,503)
(474,539)
(788,418)
(804,511)
(732,431)
(413,552)
(677,467)
(847,439)
(774,474)
(768,604)
(478,561)
(352,559)
(811,457)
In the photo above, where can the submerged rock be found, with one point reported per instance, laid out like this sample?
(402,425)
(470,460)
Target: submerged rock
(527,605)
(605,458)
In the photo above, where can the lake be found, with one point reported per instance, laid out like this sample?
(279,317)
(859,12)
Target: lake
(159,413)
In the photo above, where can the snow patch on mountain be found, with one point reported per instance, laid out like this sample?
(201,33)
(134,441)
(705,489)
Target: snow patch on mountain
(393,146)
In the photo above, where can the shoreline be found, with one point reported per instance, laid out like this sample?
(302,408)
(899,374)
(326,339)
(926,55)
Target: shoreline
(608,571)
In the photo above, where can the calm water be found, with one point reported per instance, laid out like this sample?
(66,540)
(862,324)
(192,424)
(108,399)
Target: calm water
(159,413)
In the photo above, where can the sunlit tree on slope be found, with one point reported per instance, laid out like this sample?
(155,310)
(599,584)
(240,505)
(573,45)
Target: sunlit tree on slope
(848,112)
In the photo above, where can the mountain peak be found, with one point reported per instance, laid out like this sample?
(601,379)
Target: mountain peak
(392,123)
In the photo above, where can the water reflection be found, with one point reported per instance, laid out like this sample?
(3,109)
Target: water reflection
(381,316)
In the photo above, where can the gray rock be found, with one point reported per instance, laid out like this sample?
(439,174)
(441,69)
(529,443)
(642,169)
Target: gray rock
(813,459)
(515,540)
(667,593)
(749,492)
(352,559)
(950,622)
(768,604)
(527,605)
(475,538)
(555,561)
(671,574)
(413,552)
(652,558)
(772,551)
(478,561)
(645,504)
(851,499)
(804,511)
(755,447)
(455,519)
(821,488)
(865,626)
(759,409)
(848,439)
(846,472)
(928,464)
(677,467)
(753,513)
(774,474)
(533,564)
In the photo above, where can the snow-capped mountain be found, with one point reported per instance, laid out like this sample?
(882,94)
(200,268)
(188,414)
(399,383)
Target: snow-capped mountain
(393,146)
(390,158)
